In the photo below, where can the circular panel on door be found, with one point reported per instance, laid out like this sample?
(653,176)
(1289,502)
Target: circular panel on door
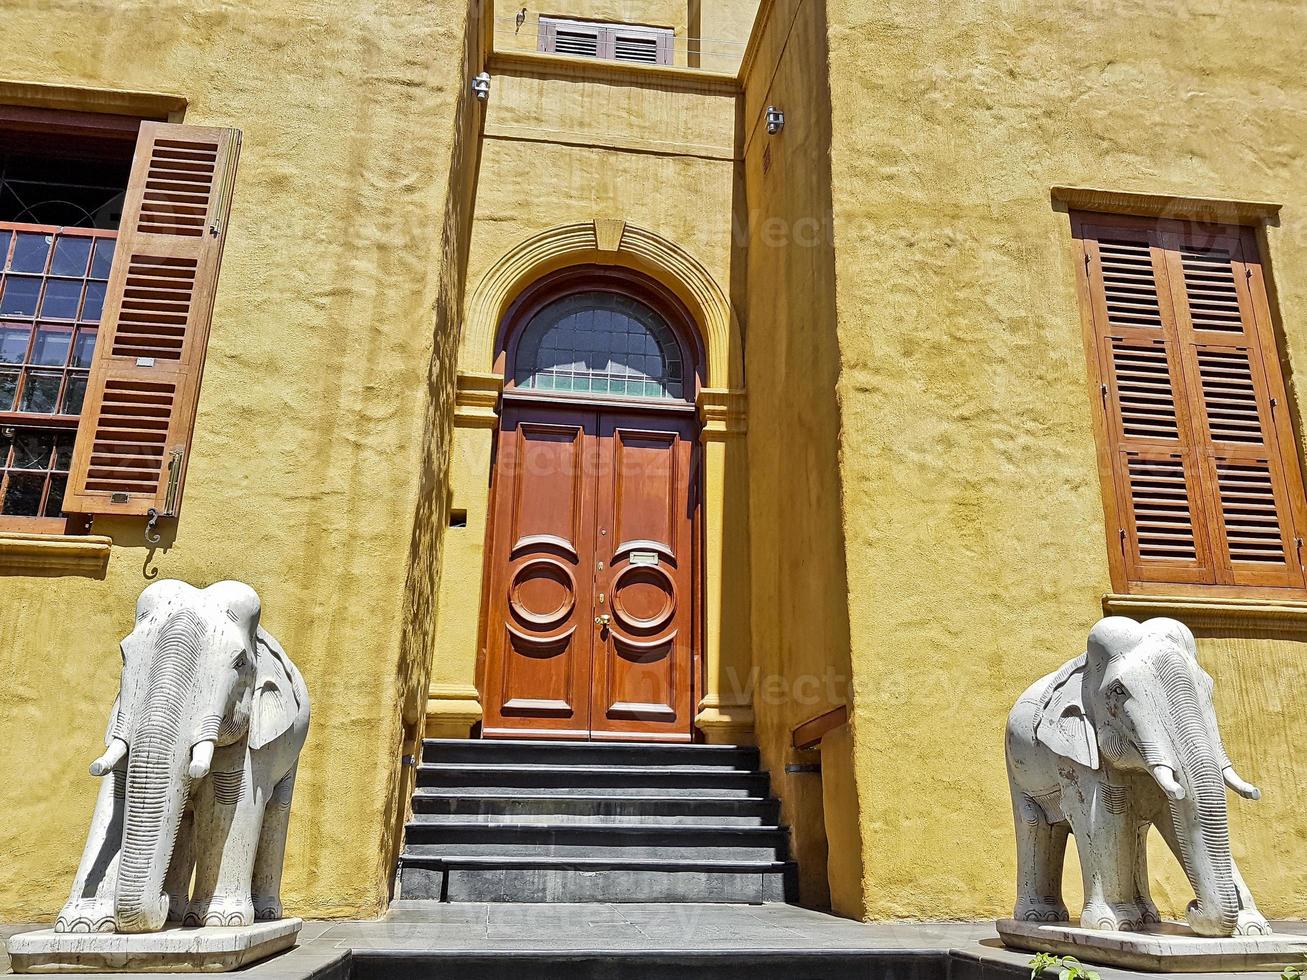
(542,592)
(644,597)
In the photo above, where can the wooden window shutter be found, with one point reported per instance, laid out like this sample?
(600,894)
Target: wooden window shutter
(1194,435)
(1238,402)
(1155,467)
(134,437)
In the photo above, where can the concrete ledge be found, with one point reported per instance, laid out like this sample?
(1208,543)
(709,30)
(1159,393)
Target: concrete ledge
(54,554)
(1278,615)
(211,949)
(1167,948)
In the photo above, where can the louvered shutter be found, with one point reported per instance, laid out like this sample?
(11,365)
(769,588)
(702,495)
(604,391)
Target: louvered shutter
(648,47)
(567,37)
(1158,489)
(1235,395)
(134,436)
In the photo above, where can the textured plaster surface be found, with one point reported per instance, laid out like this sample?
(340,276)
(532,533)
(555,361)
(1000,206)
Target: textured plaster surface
(799,611)
(545,162)
(317,472)
(972,513)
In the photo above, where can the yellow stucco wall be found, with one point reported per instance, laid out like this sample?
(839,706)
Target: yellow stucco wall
(971,506)
(564,144)
(800,608)
(317,472)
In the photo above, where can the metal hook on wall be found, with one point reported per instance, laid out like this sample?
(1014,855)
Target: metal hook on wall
(151,535)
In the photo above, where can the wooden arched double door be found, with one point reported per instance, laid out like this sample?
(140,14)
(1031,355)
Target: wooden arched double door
(590,620)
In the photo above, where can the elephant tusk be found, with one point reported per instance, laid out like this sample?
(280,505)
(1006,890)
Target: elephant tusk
(1241,786)
(1165,777)
(112,756)
(201,758)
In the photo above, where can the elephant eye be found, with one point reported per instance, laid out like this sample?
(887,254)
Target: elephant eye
(240,661)
(1117,690)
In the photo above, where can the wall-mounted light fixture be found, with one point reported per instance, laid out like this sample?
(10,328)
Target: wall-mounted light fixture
(481,86)
(775,120)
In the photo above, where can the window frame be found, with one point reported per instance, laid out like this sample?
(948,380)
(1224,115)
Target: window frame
(75,127)
(1259,326)
(607,35)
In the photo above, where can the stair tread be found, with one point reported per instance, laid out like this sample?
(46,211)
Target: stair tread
(439,793)
(492,744)
(515,769)
(617,829)
(548,861)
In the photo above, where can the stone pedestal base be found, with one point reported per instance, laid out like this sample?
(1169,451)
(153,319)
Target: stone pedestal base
(213,949)
(1166,948)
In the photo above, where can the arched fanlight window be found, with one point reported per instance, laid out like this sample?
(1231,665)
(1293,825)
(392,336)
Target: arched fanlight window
(600,343)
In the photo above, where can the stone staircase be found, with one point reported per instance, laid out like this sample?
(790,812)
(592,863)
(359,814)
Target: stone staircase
(527,821)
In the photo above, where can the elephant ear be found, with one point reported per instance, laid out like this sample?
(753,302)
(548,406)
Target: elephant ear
(1062,723)
(276,700)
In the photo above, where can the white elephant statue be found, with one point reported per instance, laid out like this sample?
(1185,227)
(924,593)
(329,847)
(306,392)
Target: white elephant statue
(202,748)
(1121,739)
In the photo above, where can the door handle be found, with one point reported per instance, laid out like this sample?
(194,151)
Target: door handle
(603,620)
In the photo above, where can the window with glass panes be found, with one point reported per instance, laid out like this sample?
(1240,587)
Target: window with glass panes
(52,288)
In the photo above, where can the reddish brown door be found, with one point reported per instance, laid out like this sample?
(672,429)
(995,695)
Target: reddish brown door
(590,607)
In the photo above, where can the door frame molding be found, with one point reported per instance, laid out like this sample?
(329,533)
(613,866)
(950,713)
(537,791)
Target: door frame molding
(725,709)
(517,318)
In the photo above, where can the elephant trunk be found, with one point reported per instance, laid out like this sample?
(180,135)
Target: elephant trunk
(1200,819)
(156,776)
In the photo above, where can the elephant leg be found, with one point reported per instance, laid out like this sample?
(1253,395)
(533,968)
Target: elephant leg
(1148,914)
(1041,849)
(90,906)
(1251,922)
(1107,838)
(266,884)
(228,815)
(177,883)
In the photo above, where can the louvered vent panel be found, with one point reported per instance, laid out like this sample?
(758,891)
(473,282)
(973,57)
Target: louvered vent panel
(585,44)
(1229,395)
(1159,496)
(1143,384)
(1252,523)
(1210,287)
(130,436)
(634,48)
(1129,284)
(177,188)
(156,306)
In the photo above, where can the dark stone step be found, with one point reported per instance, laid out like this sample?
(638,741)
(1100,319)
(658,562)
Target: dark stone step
(644,964)
(612,841)
(490,879)
(440,806)
(505,780)
(546,753)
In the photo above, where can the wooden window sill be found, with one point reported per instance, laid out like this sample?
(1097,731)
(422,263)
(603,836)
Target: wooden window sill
(22,553)
(1212,611)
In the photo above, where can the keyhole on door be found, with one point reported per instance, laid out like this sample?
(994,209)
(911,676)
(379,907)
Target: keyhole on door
(603,530)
